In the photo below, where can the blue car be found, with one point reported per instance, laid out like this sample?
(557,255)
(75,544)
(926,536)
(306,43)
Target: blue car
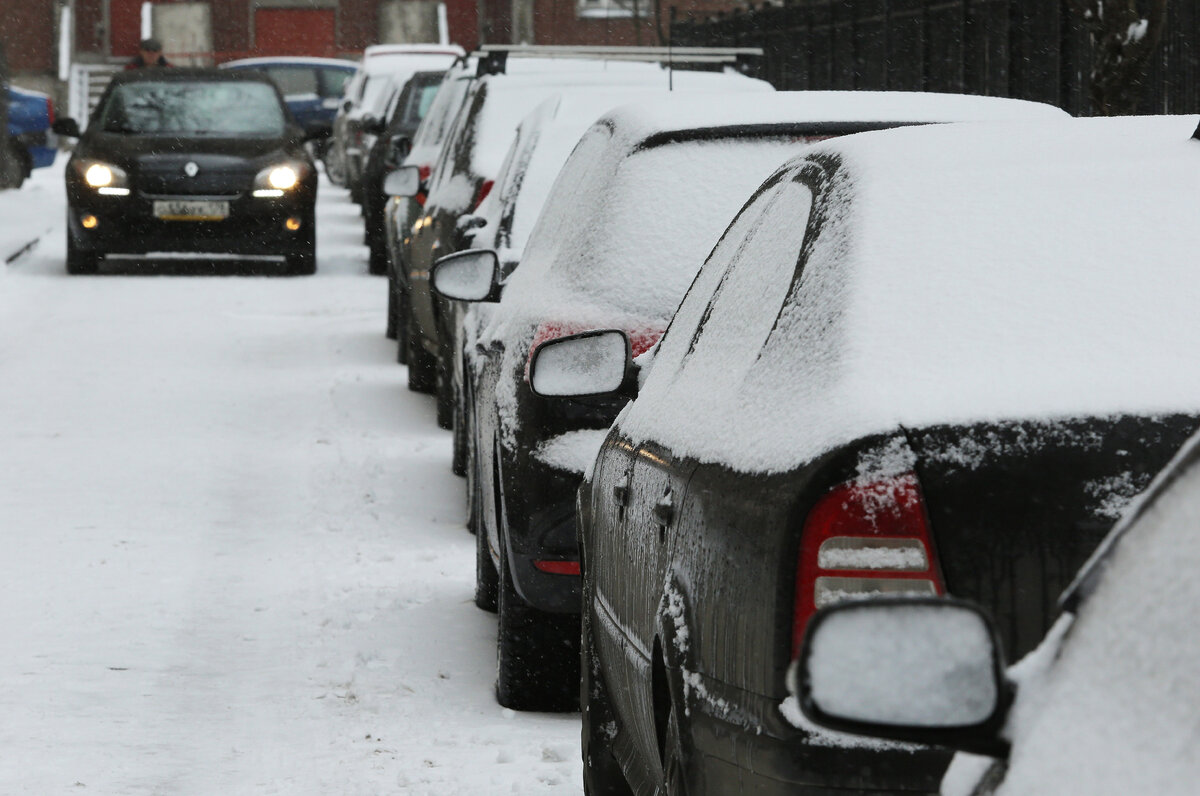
(311,87)
(30,142)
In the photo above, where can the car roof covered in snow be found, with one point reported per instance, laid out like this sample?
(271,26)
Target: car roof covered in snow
(683,111)
(290,60)
(961,273)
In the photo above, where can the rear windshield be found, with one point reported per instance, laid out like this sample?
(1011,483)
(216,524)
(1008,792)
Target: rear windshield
(201,108)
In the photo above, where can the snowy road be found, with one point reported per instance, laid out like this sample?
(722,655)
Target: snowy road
(233,554)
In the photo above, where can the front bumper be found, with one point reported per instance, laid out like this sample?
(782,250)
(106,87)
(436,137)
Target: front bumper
(254,226)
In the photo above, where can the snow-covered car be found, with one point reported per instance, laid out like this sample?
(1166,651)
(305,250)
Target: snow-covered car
(30,142)
(366,94)
(191,161)
(390,140)
(401,212)
(929,360)
(1104,705)
(466,170)
(639,203)
(311,87)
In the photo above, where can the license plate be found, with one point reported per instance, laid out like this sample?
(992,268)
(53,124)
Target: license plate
(190,210)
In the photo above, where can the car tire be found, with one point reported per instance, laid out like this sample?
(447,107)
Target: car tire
(12,167)
(422,368)
(390,331)
(537,653)
(487,580)
(402,331)
(458,457)
(445,400)
(674,761)
(81,261)
(377,264)
(602,775)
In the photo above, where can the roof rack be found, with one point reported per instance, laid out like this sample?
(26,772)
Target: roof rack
(493,58)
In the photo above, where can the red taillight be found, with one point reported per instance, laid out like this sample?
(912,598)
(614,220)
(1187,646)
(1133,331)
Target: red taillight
(423,173)
(640,340)
(558,567)
(50,110)
(862,538)
(485,188)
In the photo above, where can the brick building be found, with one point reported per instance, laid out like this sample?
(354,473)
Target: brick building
(207,31)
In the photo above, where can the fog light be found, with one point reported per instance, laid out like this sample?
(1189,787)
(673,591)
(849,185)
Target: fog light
(292,223)
(89,221)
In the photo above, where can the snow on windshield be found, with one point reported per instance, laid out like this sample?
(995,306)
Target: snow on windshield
(962,273)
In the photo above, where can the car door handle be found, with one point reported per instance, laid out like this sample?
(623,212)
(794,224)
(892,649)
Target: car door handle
(621,492)
(664,510)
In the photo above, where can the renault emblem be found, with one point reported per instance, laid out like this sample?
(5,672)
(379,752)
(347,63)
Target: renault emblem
(191,169)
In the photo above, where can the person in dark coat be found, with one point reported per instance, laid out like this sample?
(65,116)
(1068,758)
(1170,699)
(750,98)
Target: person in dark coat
(149,54)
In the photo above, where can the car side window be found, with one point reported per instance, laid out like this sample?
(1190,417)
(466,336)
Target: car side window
(333,81)
(751,292)
(677,342)
(294,81)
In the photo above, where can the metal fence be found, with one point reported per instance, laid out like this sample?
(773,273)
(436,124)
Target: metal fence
(1027,49)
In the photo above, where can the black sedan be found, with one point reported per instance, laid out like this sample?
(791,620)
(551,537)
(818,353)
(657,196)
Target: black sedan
(190,160)
(921,361)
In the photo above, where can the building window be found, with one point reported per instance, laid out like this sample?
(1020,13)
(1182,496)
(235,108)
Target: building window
(607,9)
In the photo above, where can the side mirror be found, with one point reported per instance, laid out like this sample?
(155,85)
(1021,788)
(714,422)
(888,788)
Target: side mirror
(347,105)
(316,130)
(404,181)
(584,365)
(925,670)
(473,275)
(66,126)
(401,146)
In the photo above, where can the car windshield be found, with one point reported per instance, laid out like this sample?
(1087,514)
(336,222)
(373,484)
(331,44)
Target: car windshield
(200,108)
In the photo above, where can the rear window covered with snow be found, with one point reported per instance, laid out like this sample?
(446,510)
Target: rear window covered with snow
(633,247)
(961,273)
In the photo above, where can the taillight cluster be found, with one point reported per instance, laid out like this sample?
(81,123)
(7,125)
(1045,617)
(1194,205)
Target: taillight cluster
(864,538)
(485,188)
(423,173)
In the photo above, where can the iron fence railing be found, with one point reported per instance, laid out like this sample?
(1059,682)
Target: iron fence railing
(1027,49)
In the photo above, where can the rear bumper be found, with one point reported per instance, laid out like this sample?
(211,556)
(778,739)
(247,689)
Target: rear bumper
(731,760)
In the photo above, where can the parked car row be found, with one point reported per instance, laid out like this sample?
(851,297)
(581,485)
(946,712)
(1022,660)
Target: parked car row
(728,368)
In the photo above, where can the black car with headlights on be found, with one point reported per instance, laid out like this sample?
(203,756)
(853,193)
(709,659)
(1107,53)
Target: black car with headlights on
(191,160)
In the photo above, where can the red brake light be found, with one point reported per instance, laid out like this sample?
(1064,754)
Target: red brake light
(864,537)
(484,189)
(423,173)
(50,110)
(558,567)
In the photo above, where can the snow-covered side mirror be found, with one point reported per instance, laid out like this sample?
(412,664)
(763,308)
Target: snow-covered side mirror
(472,275)
(922,669)
(404,181)
(583,365)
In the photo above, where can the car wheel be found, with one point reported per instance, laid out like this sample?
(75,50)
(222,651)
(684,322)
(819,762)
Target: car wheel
(390,332)
(674,762)
(602,775)
(402,329)
(422,368)
(80,261)
(445,400)
(537,653)
(487,580)
(458,459)
(377,264)
(12,167)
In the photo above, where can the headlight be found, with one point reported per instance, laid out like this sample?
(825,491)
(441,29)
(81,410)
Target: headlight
(274,180)
(104,177)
